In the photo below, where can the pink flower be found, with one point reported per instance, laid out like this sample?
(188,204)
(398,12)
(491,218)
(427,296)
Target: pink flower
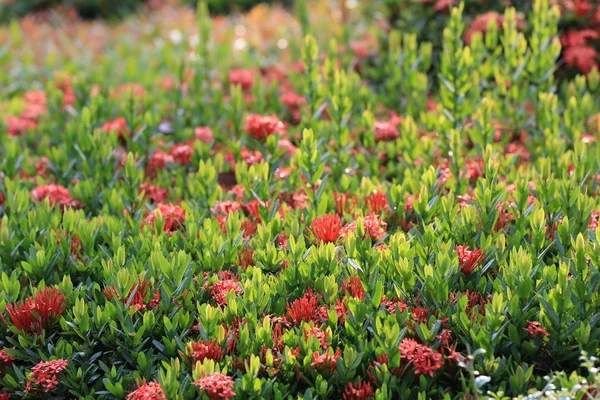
(362,391)
(480,24)
(204,134)
(241,77)
(147,391)
(174,217)
(216,386)
(374,228)
(220,289)
(56,194)
(182,153)
(45,375)
(153,193)
(261,126)
(292,101)
(425,360)
(118,125)
(385,131)
(18,126)
(535,329)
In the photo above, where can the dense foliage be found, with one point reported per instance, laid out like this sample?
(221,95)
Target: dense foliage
(178,221)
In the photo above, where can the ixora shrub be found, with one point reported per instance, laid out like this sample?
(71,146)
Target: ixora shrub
(224,231)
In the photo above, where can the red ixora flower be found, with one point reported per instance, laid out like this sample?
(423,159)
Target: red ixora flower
(359,391)
(17,126)
(304,308)
(45,375)
(353,286)
(480,24)
(374,228)
(173,216)
(220,289)
(326,361)
(38,312)
(204,134)
(56,194)
(326,228)
(156,194)
(216,386)
(292,101)
(241,77)
(535,329)
(6,361)
(469,259)
(385,131)
(118,125)
(261,126)
(425,360)
(200,351)
(137,295)
(147,391)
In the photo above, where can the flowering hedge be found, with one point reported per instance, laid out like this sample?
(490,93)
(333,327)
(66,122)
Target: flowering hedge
(213,227)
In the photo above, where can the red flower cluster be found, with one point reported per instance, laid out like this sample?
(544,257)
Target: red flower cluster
(362,391)
(326,228)
(154,193)
(140,291)
(353,286)
(216,386)
(173,216)
(534,328)
(374,228)
(385,131)
(39,312)
(577,52)
(6,361)
(200,351)
(241,77)
(220,289)
(425,360)
(147,391)
(56,194)
(326,361)
(118,125)
(469,259)
(303,309)
(480,24)
(261,126)
(204,134)
(377,203)
(45,375)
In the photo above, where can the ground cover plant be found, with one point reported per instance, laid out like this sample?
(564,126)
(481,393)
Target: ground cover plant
(196,207)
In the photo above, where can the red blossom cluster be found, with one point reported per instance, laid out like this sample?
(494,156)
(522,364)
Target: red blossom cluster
(534,328)
(44,376)
(262,126)
(358,391)
(37,312)
(147,391)
(56,195)
(469,259)
(425,360)
(216,386)
(374,228)
(200,351)
(137,296)
(118,125)
(173,216)
(326,228)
